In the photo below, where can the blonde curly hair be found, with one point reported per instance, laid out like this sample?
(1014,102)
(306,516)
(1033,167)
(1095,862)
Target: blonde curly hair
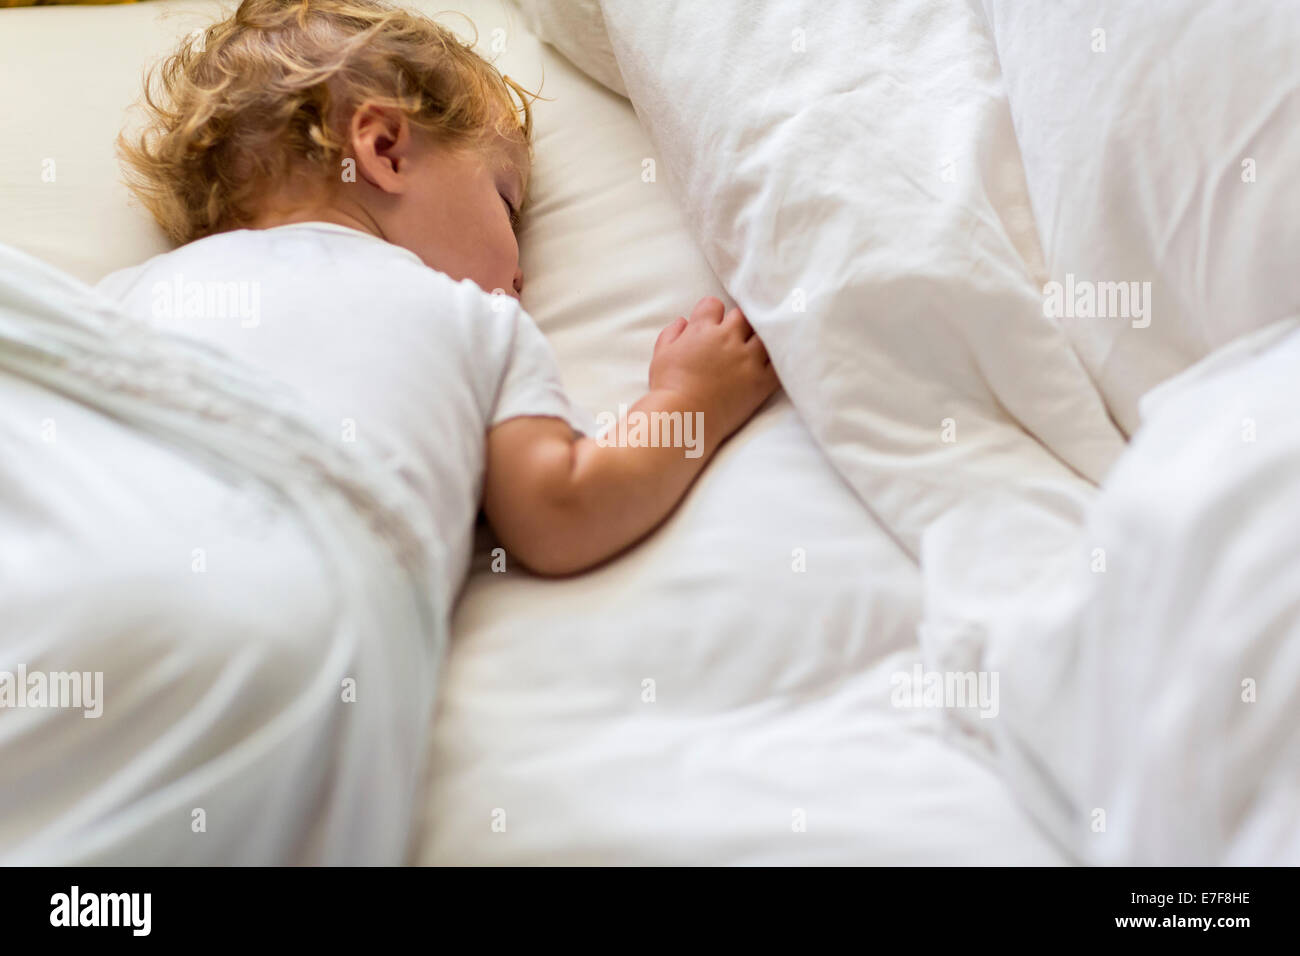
(270,91)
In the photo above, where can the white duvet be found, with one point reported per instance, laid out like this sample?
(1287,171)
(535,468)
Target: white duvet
(239,617)
(851,173)
(1149,661)
(1159,144)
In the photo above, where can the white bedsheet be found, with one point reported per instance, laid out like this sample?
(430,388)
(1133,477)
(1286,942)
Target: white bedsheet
(771,703)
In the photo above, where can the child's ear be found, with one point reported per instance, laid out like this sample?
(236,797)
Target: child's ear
(381,141)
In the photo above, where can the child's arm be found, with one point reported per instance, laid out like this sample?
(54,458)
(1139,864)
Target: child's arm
(561,504)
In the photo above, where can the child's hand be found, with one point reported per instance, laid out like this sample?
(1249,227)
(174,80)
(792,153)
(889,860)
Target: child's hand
(715,364)
(562,503)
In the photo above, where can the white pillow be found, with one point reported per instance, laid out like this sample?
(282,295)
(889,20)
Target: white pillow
(64,199)
(1160,143)
(577,29)
(852,175)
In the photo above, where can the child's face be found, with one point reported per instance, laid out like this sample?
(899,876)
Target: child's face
(457,213)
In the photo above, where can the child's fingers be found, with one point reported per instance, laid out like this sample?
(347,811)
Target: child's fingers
(670,332)
(755,344)
(708,309)
(737,318)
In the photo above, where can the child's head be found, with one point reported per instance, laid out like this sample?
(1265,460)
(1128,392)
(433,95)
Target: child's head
(349,110)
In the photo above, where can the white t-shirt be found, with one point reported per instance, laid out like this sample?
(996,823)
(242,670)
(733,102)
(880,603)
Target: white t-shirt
(378,344)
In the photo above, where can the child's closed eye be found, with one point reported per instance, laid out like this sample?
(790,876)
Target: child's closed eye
(511,211)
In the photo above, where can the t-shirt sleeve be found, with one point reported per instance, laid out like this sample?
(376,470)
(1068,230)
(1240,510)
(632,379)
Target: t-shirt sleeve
(530,380)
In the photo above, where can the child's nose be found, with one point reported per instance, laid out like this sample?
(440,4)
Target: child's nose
(519,281)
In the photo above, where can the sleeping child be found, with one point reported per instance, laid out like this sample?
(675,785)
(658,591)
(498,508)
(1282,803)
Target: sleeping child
(362,171)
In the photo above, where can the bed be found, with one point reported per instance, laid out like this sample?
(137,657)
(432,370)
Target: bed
(729,691)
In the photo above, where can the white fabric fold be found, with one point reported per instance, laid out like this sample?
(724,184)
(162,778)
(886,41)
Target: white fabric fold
(257,599)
